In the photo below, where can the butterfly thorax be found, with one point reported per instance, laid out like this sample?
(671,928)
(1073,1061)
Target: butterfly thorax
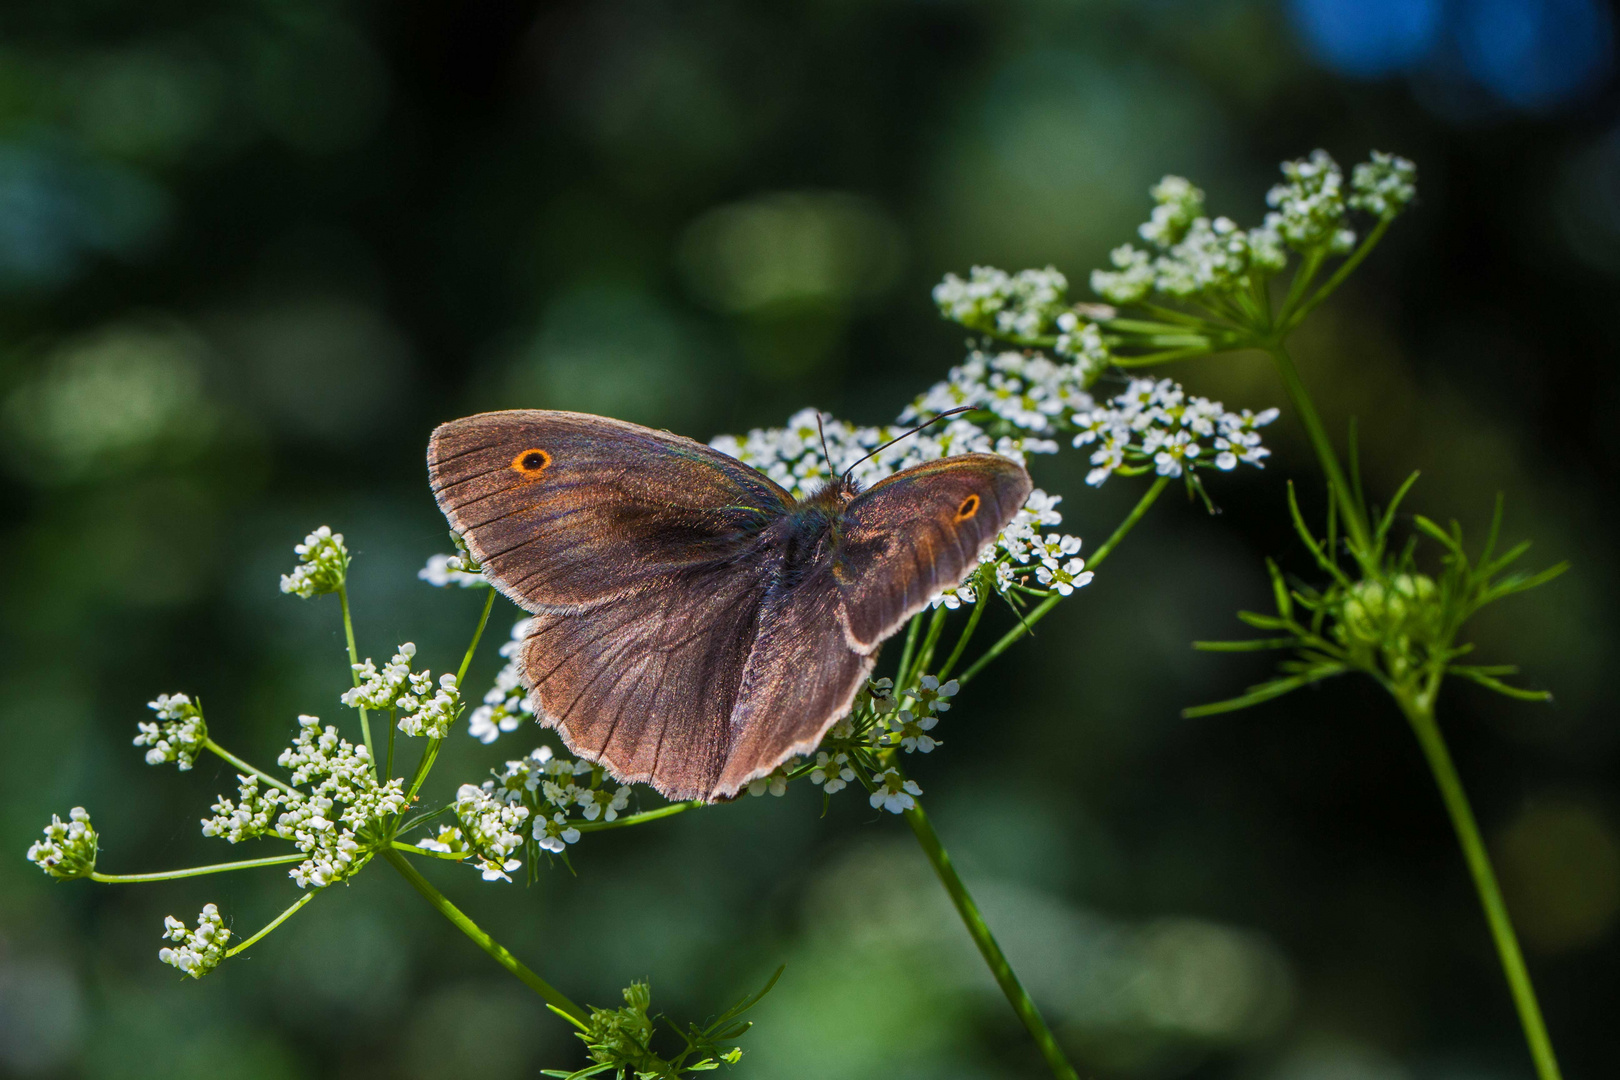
(808,535)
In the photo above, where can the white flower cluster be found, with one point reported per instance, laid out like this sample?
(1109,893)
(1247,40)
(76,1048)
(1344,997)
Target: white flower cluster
(442,570)
(909,728)
(539,791)
(1383,186)
(1195,255)
(1031,306)
(425,711)
(1158,424)
(1310,207)
(195,952)
(323,563)
(177,735)
(1029,392)
(69,848)
(324,824)
(506,704)
(492,827)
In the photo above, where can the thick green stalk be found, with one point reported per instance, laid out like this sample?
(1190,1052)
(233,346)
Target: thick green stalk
(986,941)
(1354,519)
(550,994)
(1424,725)
(196,871)
(967,632)
(354,658)
(210,744)
(1148,498)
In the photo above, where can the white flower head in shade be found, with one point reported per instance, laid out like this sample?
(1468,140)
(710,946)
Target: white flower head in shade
(323,564)
(832,772)
(178,733)
(774,782)
(69,848)
(1383,186)
(894,794)
(195,952)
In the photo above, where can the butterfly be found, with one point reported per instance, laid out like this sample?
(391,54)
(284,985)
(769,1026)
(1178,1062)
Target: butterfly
(695,625)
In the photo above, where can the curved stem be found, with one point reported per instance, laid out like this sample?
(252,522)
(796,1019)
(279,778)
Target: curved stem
(1490,895)
(638,819)
(210,744)
(196,871)
(277,921)
(550,994)
(1354,519)
(1345,269)
(354,658)
(472,646)
(1148,498)
(1017,996)
(431,753)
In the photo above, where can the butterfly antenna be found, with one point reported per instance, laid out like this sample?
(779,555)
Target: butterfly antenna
(909,434)
(825,456)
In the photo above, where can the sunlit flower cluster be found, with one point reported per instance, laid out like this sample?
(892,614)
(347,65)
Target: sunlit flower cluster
(324,822)
(423,709)
(1159,426)
(493,826)
(69,848)
(506,704)
(177,735)
(195,952)
(323,564)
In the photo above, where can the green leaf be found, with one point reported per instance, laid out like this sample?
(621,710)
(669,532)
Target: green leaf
(1253,645)
(1279,589)
(1479,676)
(1264,622)
(1435,532)
(1264,692)
(1388,519)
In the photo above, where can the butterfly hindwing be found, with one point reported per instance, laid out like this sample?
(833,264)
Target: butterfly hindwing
(920,531)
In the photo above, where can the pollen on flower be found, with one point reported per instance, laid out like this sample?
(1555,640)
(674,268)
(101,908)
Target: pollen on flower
(195,952)
(177,735)
(323,564)
(69,848)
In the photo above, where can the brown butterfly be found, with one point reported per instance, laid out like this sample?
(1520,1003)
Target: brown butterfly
(695,626)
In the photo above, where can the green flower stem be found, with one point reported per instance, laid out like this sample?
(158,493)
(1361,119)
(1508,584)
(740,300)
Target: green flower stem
(1010,637)
(925,655)
(641,818)
(1419,710)
(1354,519)
(354,658)
(1345,269)
(909,651)
(195,871)
(210,744)
(967,633)
(277,921)
(1302,281)
(400,845)
(472,646)
(1164,356)
(986,941)
(550,994)
(431,754)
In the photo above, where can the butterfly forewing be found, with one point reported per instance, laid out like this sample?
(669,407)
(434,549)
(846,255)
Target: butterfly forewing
(920,531)
(566,509)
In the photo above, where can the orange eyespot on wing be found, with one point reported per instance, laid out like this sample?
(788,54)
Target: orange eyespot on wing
(969,507)
(531,462)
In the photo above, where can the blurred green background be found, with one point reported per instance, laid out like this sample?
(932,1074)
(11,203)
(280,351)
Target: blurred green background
(251,252)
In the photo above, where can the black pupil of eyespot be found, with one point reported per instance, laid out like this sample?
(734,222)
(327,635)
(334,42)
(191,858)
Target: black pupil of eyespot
(533,461)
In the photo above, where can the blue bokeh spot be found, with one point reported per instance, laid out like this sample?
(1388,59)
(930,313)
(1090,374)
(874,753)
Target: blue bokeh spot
(1367,38)
(1536,53)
